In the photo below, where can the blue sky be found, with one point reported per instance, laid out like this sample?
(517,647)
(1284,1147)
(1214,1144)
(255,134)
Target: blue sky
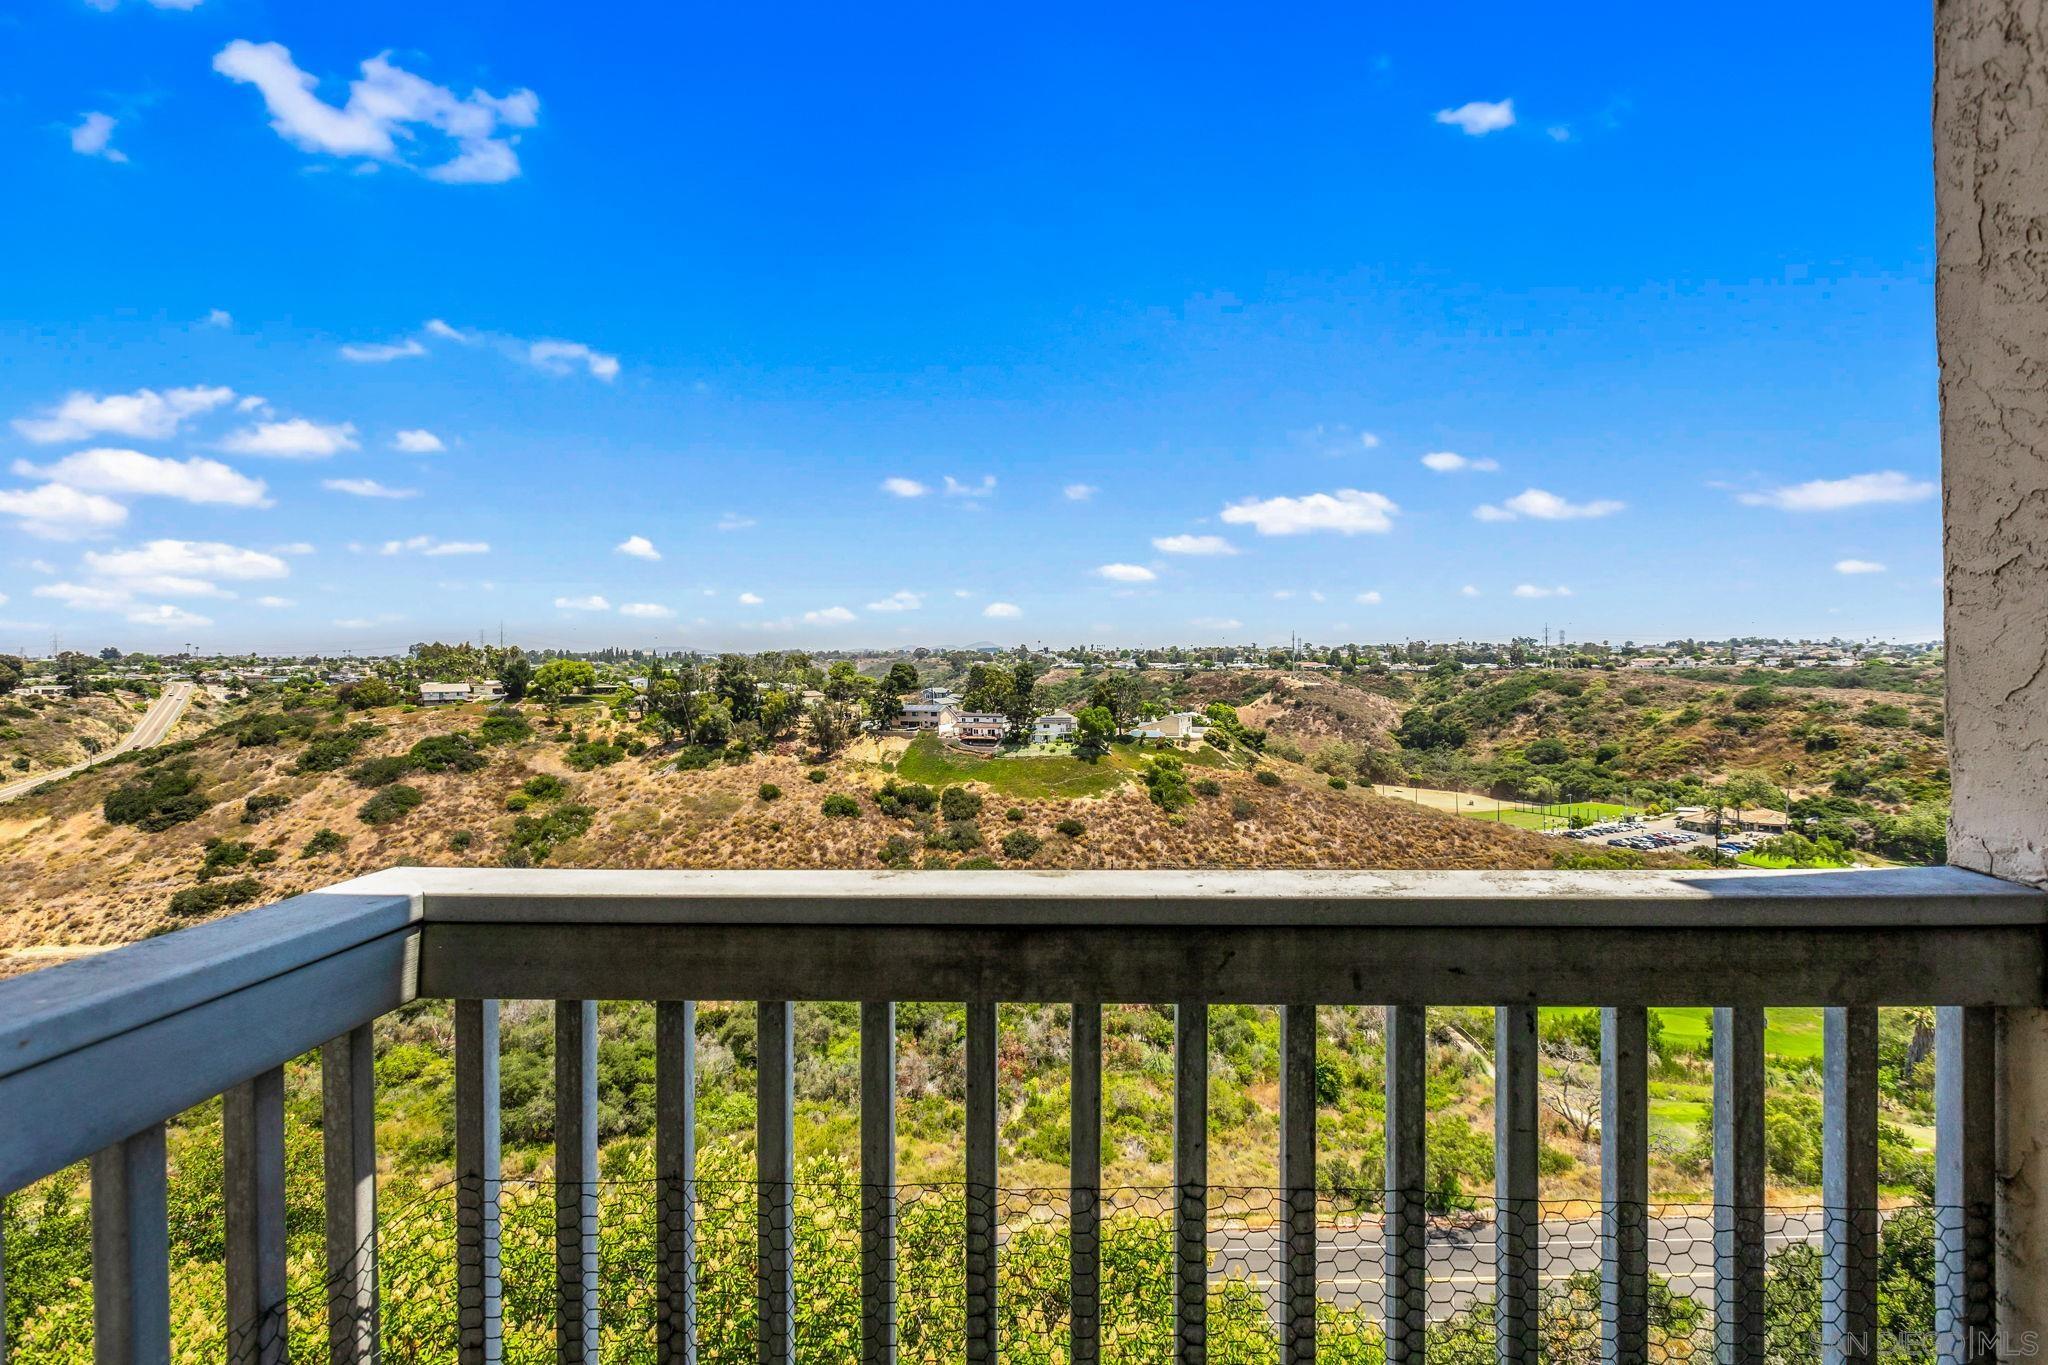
(1177,323)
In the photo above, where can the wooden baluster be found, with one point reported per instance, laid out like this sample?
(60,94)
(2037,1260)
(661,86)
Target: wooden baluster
(878,1183)
(1965,1171)
(252,1167)
(1084,1184)
(131,1252)
(775,1174)
(1518,1217)
(1739,1261)
(983,1321)
(1406,1311)
(1191,1182)
(1624,1186)
(576,1330)
(1297,1231)
(675,1170)
(479,1304)
(348,1140)
(1848,1327)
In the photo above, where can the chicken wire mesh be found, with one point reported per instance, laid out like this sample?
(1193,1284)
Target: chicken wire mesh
(1456,1303)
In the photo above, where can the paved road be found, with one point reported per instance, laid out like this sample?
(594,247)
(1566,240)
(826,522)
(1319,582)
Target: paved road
(156,722)
(1350,1262)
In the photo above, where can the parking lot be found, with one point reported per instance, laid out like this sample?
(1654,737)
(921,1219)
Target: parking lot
(1649,833)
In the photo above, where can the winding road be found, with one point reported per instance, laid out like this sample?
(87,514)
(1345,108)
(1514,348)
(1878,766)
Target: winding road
(156,722)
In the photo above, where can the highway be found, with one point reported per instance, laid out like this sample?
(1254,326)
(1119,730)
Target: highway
(156,722)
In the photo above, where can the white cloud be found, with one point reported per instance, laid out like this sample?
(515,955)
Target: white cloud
(1533,590)
(1002,611)
(1832,495)
(436,328)
(136,474)
(1216,622)
(1478,117)
(829,616)
(902,600)
(385,109)
(590,603)
(94,136)
(563,357)
(956,489)
(1193,545)
(733,521)
(220,317)
(1368,599)
(296,439)
(1126,573)
(1468,591)
(1080,492)
(1346,511)
(1541,506)
(142,415)
(367,488)
(418,441)
(85,597)
(186,561)
(645,611)
(55,512)
(751,599)
(165,615)
(1853,566)
(428,545)
(1283,594)
(638,547)
(904,488)
(1335,438)
(1450,462)
(293,547)
(271,600)
(381,352)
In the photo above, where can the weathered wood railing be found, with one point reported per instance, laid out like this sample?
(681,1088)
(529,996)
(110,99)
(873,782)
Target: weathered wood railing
(97,1055)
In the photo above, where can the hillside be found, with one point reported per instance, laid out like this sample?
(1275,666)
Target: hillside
(39,734)
(89,881)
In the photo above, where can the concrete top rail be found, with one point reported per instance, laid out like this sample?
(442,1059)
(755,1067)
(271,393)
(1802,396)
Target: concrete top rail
(1892,898)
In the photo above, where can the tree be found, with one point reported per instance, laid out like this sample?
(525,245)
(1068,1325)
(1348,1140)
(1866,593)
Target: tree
(515,675)
(11,671)
(367,693)
(902,677)
(828,728)
(1096,727)
(885,708)
(557,679)
(1021,705)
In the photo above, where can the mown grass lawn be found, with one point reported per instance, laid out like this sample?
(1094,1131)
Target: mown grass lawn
(1549,817)
(929,761)
(1793,1033)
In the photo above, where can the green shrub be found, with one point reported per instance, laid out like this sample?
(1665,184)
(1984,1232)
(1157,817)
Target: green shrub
(897,852)
(461,839)
(1071,827)
(324,841)
(264,857)
(1242,809)
(212,896)
(518,801)
(1020,844)
(222,854)
(451,753)
(1167,782)
(1338,784)
(167,796)
(586,755)
(381,772)
(255,808)
(535,837)
(1208,786)
(982,864)
(1266,777)
(957,837)
(903,798)
(329,753)
(840,804)
(815,775)
(503,726)
(958,803)
(768,791)
(389,804)
(544,787)
(1015,815)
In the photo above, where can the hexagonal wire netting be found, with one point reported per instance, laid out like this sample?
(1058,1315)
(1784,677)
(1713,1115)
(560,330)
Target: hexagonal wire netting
(1034,1301)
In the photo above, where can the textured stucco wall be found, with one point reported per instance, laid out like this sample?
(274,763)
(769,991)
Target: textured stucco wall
(1991,304)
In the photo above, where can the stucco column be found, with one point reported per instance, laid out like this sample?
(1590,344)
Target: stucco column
(1991,304)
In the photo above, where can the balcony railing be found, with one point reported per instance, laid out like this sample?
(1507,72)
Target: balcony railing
(95,1056)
